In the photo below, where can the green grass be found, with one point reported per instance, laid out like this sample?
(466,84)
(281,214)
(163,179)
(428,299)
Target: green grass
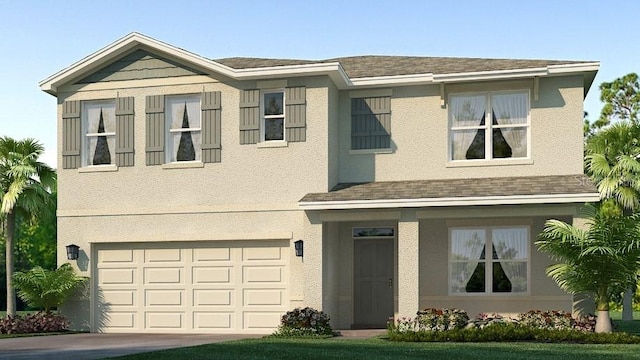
(378,349)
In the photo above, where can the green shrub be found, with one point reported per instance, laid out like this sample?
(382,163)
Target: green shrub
(509,332)
(46,289)
(431,319)
(304,322)
(40,322)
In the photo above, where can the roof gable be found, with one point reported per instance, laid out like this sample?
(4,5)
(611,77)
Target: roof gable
(140,64)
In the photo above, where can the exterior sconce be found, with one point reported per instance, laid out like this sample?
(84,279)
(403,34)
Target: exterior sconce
(299,245)
(73,252)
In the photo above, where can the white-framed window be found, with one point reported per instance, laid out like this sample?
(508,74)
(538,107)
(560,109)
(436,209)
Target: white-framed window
(489,260)
(184,127)
(99,129)
(492,125)
(273,115)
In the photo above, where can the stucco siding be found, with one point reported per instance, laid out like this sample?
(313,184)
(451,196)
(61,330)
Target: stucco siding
(419,135)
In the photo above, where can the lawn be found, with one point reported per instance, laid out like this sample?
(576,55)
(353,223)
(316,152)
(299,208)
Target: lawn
(375,349)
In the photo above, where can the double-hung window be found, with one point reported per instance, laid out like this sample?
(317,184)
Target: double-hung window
(273,116)
(490,260)
(99,129)
(184,127)
(488,126)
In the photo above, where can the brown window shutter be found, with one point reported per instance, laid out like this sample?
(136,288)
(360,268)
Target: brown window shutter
(249,116)
(124,131)
(371,123)
(296,114)
(71,134)
(155,132)
(211,123)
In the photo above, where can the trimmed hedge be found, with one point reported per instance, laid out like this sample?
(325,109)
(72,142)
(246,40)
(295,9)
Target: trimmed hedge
(510,332)
(304,322)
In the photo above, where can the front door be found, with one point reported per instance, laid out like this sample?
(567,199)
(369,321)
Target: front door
(373,282)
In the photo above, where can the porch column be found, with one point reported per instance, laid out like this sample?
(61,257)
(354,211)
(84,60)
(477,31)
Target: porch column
(312,260)
(408,266)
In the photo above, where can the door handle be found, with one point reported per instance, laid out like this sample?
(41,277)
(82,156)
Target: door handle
(391,283)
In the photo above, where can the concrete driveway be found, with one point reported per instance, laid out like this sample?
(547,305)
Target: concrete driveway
(100,346)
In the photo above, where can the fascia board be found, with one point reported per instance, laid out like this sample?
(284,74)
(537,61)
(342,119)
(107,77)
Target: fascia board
(444,202)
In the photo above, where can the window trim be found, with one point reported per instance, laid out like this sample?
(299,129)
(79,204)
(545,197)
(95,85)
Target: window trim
(488,127)
(85,135)
(168,146)
(264,117)
(488,275)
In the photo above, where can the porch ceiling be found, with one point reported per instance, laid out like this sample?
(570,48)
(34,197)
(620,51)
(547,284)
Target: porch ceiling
(455,192)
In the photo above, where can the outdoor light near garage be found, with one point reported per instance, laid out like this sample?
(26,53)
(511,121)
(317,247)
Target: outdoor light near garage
(299,246)
(72,252)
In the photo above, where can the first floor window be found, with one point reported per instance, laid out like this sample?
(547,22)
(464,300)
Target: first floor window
(488,260)
(489,125)
(273,116)
(99,123)
(183,120)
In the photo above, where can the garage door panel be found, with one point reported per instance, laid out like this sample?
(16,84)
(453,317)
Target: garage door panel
(207,275)
(260,274)
(263,297)
(261,253)
(212,254)
(119,297)
(115,256)
(222,297)
(261,319)
(164,297)
(116,276)
(163,275)
(162,255)
(120,320)
(164,320)
(213,320)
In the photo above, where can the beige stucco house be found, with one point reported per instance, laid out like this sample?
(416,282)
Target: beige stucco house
(186,182)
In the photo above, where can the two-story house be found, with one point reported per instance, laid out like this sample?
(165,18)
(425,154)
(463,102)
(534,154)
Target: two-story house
(215,195)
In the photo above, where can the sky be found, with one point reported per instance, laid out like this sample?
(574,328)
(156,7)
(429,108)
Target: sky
(39,38)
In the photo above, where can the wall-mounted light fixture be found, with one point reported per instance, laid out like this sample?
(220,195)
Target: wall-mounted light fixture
(299,246)
(73,251)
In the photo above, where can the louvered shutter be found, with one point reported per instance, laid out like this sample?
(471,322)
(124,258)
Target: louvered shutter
(211,132)
(155,133)
(249,116)
(371,123)
(296,114)
(124,131)
(71,135)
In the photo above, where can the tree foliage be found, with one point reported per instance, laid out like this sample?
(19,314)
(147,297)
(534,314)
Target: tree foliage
(599,260)
(25,190)
(621,99)
(46,289)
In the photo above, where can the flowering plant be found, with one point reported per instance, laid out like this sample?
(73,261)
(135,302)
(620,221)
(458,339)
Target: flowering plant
(432,319)
(304,322)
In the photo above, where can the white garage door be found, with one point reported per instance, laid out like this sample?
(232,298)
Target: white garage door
(215,287)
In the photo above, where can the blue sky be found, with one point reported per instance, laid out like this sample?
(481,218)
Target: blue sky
(38,38)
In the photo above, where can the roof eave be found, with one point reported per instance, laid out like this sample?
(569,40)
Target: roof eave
(452,201)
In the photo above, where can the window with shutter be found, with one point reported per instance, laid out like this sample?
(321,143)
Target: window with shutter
(371,123)
(273,116)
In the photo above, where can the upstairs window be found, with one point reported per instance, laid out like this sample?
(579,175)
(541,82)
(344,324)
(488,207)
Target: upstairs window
(184,126)
(371,123)
(488,260)
(99,129)
(489,126)
(273,115)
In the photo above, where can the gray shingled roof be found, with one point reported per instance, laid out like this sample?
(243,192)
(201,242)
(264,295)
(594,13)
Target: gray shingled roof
(372,66)
(457,188)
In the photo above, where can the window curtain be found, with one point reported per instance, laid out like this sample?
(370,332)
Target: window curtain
(512,109)
(466,249)
(466,111)
(511,246)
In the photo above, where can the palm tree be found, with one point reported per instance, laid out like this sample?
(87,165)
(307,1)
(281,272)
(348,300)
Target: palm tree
(612,161)
(25,185)
(599,260)
(46,289)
